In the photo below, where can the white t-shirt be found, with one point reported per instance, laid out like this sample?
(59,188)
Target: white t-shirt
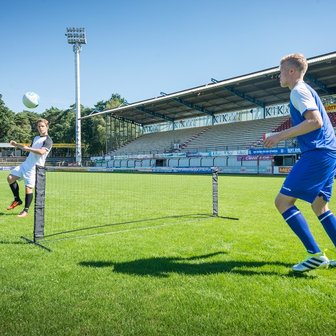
(26,170)
(302,99)
(36,159)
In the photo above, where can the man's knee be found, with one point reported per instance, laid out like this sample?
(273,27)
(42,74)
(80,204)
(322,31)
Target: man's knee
(11,179)
(319,206)
(29,190)
(283,203)
(278,203)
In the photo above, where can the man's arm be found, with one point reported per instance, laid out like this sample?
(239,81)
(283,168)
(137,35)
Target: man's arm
(312,122)
(39,151)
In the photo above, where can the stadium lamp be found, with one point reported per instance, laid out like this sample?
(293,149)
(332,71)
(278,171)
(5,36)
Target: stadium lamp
(77,37)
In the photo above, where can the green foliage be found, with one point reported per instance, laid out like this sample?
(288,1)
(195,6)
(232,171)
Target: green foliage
(6,122)
(24,126)
(94,129)
(94,132)
(21,126)
(62,125)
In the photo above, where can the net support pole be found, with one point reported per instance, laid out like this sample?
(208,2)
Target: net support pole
(39,208)
(215,192)
(39,202)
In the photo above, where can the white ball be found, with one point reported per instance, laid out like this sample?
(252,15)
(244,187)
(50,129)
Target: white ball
(31,99)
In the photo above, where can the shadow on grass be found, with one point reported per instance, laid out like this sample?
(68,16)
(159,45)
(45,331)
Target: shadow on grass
(9,213)
(163,266)
(186,216)
(11,242)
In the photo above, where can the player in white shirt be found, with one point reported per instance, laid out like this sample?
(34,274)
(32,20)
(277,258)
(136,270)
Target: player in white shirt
(38,153)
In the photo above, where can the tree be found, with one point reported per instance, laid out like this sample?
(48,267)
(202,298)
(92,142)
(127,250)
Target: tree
(94,129)
(24,126)
(94,135)
(6,121)
(115,101)
(62,125)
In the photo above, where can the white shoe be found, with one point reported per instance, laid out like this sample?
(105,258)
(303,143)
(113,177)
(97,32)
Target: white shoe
(314,261)
(22,214)
(332,263)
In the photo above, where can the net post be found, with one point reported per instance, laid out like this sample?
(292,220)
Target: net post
(39,208)
(39,202)
(215,191)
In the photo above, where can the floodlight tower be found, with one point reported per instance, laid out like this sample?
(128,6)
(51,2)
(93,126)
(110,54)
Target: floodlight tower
(77,37)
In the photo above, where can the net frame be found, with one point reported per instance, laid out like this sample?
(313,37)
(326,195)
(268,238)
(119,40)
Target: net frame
(40,194)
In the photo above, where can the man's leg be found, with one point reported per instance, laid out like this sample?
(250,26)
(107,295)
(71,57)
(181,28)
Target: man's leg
(28,201)
(296,221)
(12,181)
(326,217)
(294,218)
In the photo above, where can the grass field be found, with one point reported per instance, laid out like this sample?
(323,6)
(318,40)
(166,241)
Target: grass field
(140,255)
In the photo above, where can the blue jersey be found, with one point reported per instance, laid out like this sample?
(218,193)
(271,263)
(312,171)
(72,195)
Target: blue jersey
(304,98)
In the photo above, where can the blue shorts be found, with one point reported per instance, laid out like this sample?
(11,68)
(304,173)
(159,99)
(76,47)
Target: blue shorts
(312,176)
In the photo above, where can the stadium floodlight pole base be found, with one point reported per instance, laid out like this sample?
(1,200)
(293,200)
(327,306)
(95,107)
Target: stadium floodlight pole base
(30,241)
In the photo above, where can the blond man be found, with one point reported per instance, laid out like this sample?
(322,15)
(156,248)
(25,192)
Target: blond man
(311,178)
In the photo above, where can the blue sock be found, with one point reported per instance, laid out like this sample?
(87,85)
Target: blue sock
(328,221)
(299,225)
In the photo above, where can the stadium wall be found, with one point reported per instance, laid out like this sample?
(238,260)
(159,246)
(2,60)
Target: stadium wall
(253,161)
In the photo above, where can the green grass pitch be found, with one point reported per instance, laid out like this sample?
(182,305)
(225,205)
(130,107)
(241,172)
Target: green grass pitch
(140,255)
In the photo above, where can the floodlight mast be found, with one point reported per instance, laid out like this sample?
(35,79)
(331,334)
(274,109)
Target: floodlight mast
(77,37)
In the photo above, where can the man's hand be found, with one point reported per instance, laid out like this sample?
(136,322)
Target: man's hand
(15,144)
(272,140)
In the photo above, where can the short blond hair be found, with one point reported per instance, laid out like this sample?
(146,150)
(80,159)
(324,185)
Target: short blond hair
(45,121)
(296,60)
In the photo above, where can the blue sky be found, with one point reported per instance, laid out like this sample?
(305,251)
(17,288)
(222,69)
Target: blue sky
(138,48)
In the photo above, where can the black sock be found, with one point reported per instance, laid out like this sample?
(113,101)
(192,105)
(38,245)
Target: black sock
(15,190)
(28,200)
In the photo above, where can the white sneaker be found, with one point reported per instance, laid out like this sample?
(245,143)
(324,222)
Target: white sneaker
(314,261)
(332,263)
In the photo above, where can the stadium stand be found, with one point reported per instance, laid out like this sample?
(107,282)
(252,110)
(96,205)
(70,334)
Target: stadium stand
(236,135)
(161,142)
(332,117)
(234,147)
(11,161)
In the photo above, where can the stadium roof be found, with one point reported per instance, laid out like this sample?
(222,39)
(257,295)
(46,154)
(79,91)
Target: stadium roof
(257,89)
